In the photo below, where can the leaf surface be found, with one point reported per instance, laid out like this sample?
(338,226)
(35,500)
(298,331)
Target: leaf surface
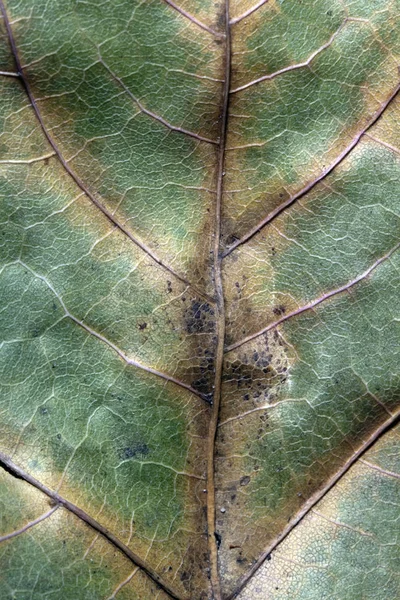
(200,299)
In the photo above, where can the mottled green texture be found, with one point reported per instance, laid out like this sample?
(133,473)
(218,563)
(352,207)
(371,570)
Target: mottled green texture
(59,556)
(118,159)
(111,144)
(72,399)
(327,239)
(294,124)
(318,416)
(348,547)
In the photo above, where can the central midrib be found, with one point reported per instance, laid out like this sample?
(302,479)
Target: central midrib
(220,320)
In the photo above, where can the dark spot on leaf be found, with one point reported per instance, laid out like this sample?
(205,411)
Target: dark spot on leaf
(231,239)
(134,450)
(245,480)
(199,317)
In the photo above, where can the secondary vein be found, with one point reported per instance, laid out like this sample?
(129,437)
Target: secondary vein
(106,212)
(7,464)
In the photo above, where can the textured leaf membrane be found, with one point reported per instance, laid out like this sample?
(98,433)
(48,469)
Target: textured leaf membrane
(199,299)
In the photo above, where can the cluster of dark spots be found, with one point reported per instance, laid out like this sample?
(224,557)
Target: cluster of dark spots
(199,317)
(134,450)
(279,310)
(206,371)
(237,373)
(218,538)
(199,320)
(169,287)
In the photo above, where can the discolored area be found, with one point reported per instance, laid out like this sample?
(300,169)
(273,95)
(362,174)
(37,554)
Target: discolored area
(290,435)
(325,241)
(65,556)
(51,232)
(199,364)
(110,98)
(347,546)
(300,94)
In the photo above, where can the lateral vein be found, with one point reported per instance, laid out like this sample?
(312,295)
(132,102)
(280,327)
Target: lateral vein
(193,19)
(11,467)
(314,303)
(338,160)
(106,212)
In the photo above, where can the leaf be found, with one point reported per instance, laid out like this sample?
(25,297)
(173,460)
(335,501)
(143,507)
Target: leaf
(200,299)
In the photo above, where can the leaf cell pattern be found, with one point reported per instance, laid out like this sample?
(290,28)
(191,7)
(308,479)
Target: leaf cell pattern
(199,299)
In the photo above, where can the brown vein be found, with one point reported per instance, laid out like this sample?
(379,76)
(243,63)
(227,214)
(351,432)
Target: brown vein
(248,12)
(13,534)
(149,113)
(220,312)
(314,303)
(290,68)
(313,500)
(11,467)
(279,209)
(193,19)
(132,362)
(66,166)
(129,361)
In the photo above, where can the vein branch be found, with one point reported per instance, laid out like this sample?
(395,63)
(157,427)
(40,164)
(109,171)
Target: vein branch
(248,12)
(380,469)
(151,114)
(106,212)
(315,499)
(338,160)
(289,68)
(314,303)
(9,74)
(7,464)
(193,19)
(128,360)
(13,534)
